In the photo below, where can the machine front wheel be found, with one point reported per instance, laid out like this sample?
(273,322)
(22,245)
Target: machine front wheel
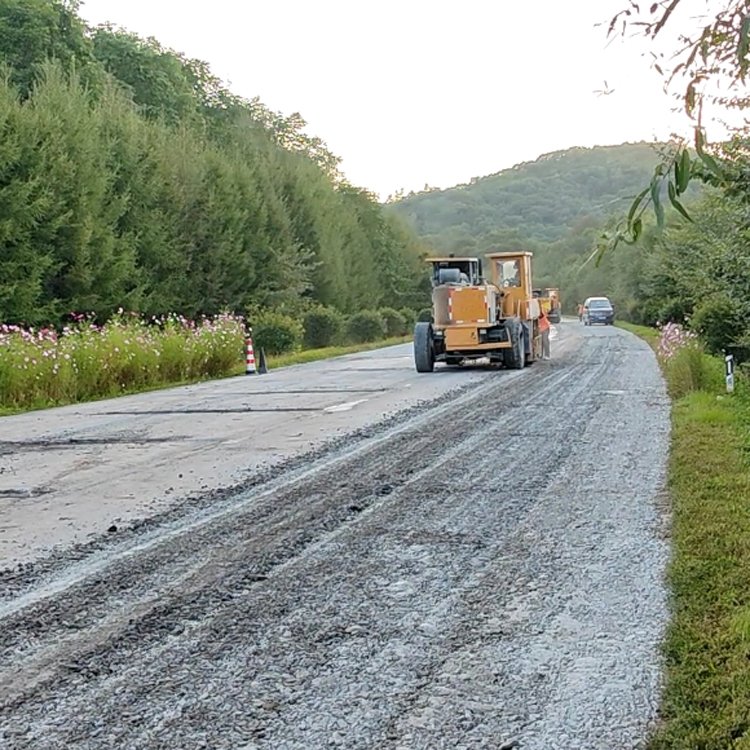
(424,353)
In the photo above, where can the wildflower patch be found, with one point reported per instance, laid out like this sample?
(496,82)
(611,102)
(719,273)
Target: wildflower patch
(83,361)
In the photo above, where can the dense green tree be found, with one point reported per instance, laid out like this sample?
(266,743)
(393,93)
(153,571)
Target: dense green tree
(130,176)
(543,199)
(95,265)
(157,79)
(26,257)
(34,31)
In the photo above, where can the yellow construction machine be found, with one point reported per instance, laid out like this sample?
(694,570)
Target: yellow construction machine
(549,299)
(474,319)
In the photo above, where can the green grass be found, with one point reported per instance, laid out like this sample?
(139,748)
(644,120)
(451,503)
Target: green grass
(706,702)
(651,335)
(707,699)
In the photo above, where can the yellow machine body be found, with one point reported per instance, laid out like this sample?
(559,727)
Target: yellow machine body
(474,317)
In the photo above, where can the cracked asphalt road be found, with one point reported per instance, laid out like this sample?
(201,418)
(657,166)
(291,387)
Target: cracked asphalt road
(483,569)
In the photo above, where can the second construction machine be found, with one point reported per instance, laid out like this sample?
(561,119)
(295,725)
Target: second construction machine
(549,299)
(477,319)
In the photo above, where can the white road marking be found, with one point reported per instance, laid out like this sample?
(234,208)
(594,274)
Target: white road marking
(347,406)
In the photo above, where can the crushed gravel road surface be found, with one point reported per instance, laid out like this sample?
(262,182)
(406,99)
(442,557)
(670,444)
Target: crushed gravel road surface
(483,570)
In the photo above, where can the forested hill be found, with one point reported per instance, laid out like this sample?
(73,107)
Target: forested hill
(131,177)
(557,207)
(542,200)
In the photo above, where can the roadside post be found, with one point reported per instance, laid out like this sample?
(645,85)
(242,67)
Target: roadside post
(262,364)
(729,372)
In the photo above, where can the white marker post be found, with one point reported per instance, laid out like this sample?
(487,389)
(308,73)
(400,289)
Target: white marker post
(729,372)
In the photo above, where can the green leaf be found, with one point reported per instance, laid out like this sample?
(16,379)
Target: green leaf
(707,159)
(711,163)
(637,229)
(690,99)
(676,203)
(699,140)
(636,203)
(685,169)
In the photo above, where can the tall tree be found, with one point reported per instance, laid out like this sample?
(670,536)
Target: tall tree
(34,31)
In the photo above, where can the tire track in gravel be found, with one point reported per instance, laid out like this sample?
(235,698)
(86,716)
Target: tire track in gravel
(337,609)
(269,534)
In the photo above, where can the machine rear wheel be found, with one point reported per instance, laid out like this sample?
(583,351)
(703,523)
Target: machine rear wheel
(424,354)
(515,357)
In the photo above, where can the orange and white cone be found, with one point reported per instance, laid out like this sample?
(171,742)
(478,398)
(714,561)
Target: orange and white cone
(249,357)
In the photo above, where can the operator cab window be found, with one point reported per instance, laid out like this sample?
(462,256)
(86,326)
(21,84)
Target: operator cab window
(455,273)
(509,273)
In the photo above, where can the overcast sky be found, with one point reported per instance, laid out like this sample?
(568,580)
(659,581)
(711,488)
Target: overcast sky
(415,92)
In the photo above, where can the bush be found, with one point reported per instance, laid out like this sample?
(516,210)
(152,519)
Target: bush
(687,367)
(395,323)
(322,327)
(365,326)
(410,318)
(720,322)
(276,333)
(425,315)
(673,311)
(691,369)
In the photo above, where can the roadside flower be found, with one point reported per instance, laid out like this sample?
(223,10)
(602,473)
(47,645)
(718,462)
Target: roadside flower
(672,338)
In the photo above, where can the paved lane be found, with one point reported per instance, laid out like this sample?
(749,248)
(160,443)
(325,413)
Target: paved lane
(69,474)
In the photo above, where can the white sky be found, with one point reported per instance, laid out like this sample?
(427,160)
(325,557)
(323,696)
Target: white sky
(409,92)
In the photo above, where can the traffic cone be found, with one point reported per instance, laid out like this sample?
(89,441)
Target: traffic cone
(262,366)
(249,357)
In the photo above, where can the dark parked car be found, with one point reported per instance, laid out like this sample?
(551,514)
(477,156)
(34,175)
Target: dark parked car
(598,310)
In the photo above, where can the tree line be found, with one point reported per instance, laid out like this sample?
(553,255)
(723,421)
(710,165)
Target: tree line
(691,271)
(131,177)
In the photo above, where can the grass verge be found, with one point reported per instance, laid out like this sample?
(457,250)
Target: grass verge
(651,335)
(706,701)
(706,704)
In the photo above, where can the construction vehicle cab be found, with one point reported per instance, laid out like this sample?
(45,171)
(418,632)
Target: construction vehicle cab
(474,318)
(450,270)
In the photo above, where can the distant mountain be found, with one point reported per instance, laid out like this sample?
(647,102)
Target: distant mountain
(541,200)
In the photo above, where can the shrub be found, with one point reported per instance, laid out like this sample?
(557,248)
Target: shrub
(364,326)
(276,333)
(720,322)
(410,317)
(691,369)
(322,327)
(425,315)
(673,311)
(687,367)
(395,323)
